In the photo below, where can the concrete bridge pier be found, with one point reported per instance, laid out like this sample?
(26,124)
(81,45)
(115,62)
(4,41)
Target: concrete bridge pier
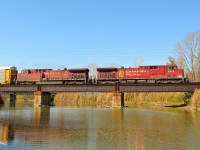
(118,99)
(12,98)
(42,98)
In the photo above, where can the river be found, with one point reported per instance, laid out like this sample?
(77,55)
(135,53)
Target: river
(23,126)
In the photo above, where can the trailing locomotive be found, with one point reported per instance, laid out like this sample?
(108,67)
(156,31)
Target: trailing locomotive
(49,76)
(142,74)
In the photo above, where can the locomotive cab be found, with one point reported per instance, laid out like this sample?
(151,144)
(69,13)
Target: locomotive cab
(31,76)
(107,75)
(175,74)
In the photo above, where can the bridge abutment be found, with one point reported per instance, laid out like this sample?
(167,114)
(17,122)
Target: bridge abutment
(118,99)
(42,98)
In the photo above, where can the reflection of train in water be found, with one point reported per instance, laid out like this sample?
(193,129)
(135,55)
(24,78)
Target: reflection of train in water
(6,134)
(144,74)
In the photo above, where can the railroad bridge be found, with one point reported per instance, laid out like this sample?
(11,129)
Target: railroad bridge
(43,92)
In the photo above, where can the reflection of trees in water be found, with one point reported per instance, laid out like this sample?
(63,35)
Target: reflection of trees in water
(109,129)
(135,139)
(192,122)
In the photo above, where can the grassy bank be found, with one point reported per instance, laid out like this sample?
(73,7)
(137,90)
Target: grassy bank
(68,99)
(171,98)
(25,97)
(130,99)
(194,103)
(6,97)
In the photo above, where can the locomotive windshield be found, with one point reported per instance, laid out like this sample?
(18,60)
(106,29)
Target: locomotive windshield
(172,68)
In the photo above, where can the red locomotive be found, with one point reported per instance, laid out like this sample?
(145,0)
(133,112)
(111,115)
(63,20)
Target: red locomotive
(145,74)
(142,74)
(49,76)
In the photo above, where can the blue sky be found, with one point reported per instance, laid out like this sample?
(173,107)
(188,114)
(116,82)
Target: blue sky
(74,33)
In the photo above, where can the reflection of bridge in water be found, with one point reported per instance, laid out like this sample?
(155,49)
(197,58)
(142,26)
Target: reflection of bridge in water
(32,127)
(41,127)
(43,92)
(95,128)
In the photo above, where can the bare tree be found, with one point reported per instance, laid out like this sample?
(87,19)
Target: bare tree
(188,52)
(92,67)
(138,61)
(172,61)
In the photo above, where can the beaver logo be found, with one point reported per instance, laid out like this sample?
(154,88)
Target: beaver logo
(121,73)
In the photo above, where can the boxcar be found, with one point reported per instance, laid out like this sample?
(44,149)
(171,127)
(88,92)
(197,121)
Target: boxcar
(8,75)
(107,75)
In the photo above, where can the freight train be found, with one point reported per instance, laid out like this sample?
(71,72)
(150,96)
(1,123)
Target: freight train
(141,74)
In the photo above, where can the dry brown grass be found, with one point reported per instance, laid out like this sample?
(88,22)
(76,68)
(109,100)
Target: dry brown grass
(25,97)
(6,97)
(130,99)
(65,99)
(105,99)
(195,101)
(170,98)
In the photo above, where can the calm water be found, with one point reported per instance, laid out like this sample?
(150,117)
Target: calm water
(23,126)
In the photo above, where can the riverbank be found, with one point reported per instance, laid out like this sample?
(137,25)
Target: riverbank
(194,103)
(130,99)
(165,99)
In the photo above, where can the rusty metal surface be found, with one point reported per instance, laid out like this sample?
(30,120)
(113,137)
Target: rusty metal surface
(159,87)
(78,88)
(102,88)
(18,88)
